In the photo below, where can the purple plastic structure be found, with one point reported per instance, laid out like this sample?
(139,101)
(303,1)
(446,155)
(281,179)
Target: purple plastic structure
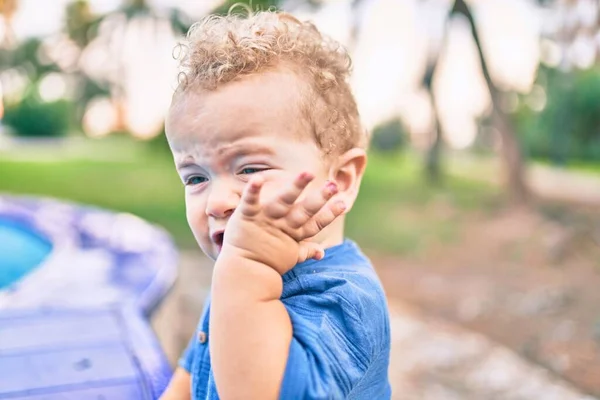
(77,326)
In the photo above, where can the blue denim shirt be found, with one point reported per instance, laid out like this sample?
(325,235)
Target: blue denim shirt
(341,335)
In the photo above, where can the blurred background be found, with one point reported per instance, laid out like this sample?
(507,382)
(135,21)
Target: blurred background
(481,203)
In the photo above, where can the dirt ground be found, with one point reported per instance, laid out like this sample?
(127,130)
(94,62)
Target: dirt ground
(527,278)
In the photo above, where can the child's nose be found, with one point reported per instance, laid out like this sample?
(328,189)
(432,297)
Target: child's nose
(222,200)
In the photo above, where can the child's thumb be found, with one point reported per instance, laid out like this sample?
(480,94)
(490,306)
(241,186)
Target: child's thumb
(310,250)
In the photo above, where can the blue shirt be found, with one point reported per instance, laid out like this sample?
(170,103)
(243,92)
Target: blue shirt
(341,334)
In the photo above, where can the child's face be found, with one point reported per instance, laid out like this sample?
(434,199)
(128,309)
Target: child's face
(220,138)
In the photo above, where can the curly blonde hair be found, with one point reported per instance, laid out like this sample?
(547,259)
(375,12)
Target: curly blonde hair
(220,49)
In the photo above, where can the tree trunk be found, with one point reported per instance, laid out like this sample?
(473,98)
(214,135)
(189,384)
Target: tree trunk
(433,162)
(511,151)
(433,169)
(433,159)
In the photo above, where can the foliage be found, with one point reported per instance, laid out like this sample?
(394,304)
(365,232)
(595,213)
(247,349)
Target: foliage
(30,60)
(36,118)
(568,129)
(389,137)
(79,22)
(28,57)
(224,8)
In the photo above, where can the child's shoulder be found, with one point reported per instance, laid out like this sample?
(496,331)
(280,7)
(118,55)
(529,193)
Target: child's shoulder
(344,280)
(341,293)
(339,316)
(345,261)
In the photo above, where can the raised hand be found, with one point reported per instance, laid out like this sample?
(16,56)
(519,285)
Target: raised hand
(274,232)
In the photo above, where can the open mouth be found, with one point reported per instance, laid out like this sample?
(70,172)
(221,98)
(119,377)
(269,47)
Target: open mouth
(217,238)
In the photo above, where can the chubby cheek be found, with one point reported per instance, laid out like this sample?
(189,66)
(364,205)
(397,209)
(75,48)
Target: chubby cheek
(196,218)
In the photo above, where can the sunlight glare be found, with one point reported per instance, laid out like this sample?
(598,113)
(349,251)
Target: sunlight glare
(53,87)
(99,118)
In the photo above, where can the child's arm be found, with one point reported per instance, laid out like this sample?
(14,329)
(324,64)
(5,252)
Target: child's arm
(179,387)
(250,329)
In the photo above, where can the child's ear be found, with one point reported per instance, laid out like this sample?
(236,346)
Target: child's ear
(347,171)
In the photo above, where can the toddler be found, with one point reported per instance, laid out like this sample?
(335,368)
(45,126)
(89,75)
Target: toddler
(266,137)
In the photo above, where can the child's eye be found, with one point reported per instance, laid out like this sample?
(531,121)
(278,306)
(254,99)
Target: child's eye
(251,170)
(195,180)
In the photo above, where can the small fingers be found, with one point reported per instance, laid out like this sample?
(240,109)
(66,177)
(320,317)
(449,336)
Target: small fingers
(309,207)
(322,219)
(308,250)
(284,202)
(250,202)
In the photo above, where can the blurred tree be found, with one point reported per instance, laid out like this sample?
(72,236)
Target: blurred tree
(30,60)
(84,28)
(81,26)
(568,127)
(510,148)
(27,56)
(26,113)
(34,117)
(224,7)
(433,162)
(512,155)
(389,137)
(79,21)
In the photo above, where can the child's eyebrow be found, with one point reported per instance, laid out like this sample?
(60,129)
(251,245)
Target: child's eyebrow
(244,150)
(229,153)
(186,163)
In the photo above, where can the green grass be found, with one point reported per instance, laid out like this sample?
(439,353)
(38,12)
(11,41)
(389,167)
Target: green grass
(396,210)
(586,167)
(146,184)
(592,168)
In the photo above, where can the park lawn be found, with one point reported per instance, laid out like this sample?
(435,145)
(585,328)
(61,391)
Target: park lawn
(592,168)
(397,212)
(585,167)
(145,184)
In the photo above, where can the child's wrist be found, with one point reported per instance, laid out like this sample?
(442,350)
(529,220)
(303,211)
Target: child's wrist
(270,251)
(236,272)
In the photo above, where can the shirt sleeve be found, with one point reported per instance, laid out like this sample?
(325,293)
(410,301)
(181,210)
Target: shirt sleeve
(327,355)
(187,357)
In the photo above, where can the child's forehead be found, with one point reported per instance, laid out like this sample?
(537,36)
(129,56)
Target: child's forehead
(260,105)
(275,88)
(221,136)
